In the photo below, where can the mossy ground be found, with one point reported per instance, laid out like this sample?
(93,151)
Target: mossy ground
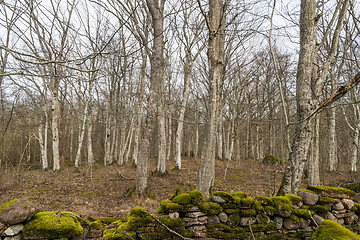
(332,230)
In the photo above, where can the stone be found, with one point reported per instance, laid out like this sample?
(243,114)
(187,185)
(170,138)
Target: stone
(195,221)
(17,211)
(13,230)
(340,221)
(213,219)
(343,215)
(348,204)
(356,218)
(198,231)
(16,237)
(304,222)
(223,217)
(278,222)
(357,198)
(308,197)
(338,211)
(328,216)
(290,224)
(174,215)
(2,228)
(218,199)
(349,220)
(193,209)
(246,221)
(318,219)
(282,212)
(338,206)
(194,214)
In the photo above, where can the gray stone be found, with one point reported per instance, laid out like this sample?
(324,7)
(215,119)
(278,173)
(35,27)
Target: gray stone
(349,220)
(195,221)
(308,198)
(304,222)
(2,228)
(340,221)
(278,222)
(338,206)
(318,219)
(245,221)
(348,204)
(193,209)
(198,231)
(343,215)
(223,217)
(218,199)
(281,212)
(16,237)
(329,216)
(17,212)
(194,214)
(13,230)
(290,224)
(213,219)
(356,218)
(357,198)
(174,215)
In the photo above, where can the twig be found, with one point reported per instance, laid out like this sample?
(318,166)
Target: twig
(125,233)
(124,176)
(162,224)
(317,225)
(251,230)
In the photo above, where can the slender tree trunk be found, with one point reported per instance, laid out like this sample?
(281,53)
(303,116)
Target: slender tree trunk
(196,140)
(107,144)
(162,137)
(55,130)
(169,138)
(81,136)
(220,133)
(43,131)
(332,127)
(89,141)
(313,164)
(206,173)
(354,149)
(300,147)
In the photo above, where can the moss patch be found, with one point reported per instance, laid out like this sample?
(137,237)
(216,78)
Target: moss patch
(177,192)
(264,200)
(295,200)
(269,210)
(320,208)
(330,190)
(119,233)
(257,206)
(247,212)
(326,200)
(52,225)
(182,199)
(332,230)
(7,204)
(210,208)
(169,206)
(281,202)
(304,213)
(136,218)
(196,196)
(248,201)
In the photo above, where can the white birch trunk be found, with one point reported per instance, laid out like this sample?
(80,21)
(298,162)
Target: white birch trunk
(169,139)
(196,140)
(162,140)
(220,133)
(107,145)
(313,163)
(89,142)
(332,140)
(43,129)
(354,150)
(81,136)
(55,131)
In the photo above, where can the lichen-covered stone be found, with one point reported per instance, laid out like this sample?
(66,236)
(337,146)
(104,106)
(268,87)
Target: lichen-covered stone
(218,199)
(338,206)
(293,222)
(278,222)
(246,221)
(223,217)
(213,219)
(53,225)
(14,230)
(260,219)
(304,222)
(17,211)
(309,198)
(326,201)
(283,206)
(331,230)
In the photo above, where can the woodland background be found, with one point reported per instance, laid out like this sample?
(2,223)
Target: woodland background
(76,82)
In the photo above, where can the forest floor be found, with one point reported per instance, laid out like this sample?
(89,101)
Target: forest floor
(102,191)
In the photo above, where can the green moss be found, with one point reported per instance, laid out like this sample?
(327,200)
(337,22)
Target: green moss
(332,230)
(281,202)
(352,186)
(248,201)
(357,207)
(276,236)
(247,212)
(231,210)
(97,225)
(175,224)
(326,189)
(326,200)
(196,196)
(269,227)
(119,233)
(307,190)
(234,220)
(320,208)
(238,195)
(295,200)
(294,218)
(107,220)
(304,213)
(7,205)
(52,225)
(136,218)
(264,200)
(224,195)
(177,192)
(169,206)
(220,226)
(229,205)
(269,210)
(182,199)
(271,159)
(210,208)
(257,206)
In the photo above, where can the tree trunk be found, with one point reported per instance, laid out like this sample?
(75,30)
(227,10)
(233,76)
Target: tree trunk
(43,131)
(354,150)
(81,136)
(89,141)
(300,147)
(55,130)
(220,134)
(206,173)
(313,164)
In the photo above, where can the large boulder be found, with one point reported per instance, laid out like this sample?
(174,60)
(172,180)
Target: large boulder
(308,197)
(17,211)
